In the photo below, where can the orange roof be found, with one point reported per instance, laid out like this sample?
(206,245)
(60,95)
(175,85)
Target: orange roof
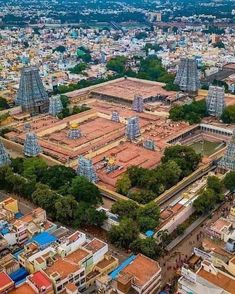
(77,256)
(23,289)
(219,280)
(142,269)
(71,286)
(62,267)
(5,280)
(126,89)
(95,245)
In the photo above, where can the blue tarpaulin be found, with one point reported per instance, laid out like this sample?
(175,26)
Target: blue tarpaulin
(43,239)
(149,233)
(19,274)
(18,215)
(125,263)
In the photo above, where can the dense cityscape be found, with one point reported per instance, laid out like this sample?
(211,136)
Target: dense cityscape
(117,147)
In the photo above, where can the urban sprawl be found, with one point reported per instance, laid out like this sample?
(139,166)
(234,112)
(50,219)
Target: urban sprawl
(117,147)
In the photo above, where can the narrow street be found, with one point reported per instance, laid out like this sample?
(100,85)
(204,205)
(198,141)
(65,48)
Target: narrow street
(173,260)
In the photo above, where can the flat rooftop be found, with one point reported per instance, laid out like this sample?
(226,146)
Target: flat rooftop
(221,280)
(142,268)
(126,89)
(125,154)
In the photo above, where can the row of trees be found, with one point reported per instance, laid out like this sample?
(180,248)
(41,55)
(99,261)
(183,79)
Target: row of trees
(133,220)
(192,113)
(210,196)
(66,197)
(144,185)
(83,84)
(150,68)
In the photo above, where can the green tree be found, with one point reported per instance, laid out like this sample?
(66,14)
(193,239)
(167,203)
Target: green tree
(147,247)
(83,190)
(229,181)
(215,184)
(219,44)
(185,157)
(148,216)
(205,201)
(125,208)
(142,196)
(5,171)
(79,68)
(123,184)
(61,172)
(180,229)
(124,234)
(88,215)
(3,104)
(66,208)
(16,182)
(192,113)
(46,198)
(17,165)
(64,100)
(228,115)
(164,237)
(117,64)
(60,49)
(34,168)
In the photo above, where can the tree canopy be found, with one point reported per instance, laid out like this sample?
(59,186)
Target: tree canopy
(229,181)
(124,234)
(210,196)
(228,115)
(144,185)
(192,113)
(85,191)
(117,64)
(32,179)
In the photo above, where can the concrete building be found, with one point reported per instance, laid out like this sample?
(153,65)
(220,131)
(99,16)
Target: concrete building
(6,283)
(207,279)
(142,275)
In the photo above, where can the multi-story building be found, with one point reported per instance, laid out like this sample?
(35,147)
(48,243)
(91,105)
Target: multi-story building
(142,275)
(208,279)
(64,271)
(6,283)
